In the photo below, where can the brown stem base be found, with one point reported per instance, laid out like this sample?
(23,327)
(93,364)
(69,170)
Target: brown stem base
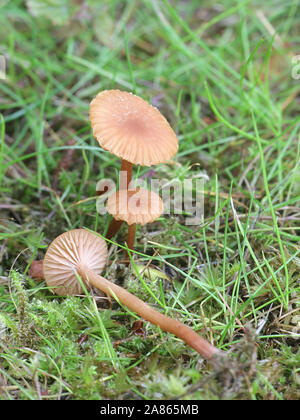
(131,236)
(36,270)
(113,228)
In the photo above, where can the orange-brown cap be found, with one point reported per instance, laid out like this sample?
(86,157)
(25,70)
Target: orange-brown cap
(70,252)
(131,128)
(135,207)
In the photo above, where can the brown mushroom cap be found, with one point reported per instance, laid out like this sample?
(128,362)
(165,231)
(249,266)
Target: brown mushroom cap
(70,252)
(131,128)
(135,207)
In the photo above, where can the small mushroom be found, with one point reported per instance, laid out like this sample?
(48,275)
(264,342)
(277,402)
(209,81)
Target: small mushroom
(134,207)
(80,252)
(133,130)
(70,252)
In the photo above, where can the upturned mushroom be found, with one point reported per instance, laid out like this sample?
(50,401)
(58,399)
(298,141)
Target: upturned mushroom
(80,252)
(140,206)
(132,129)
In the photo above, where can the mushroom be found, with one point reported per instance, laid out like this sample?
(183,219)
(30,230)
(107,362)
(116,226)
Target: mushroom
(133,130)
(81,252)
(139,206)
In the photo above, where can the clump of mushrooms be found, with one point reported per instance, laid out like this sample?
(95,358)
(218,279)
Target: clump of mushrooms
(81,252)
(132,129)
(139,206)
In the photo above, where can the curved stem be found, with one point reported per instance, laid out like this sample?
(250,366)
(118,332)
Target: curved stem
(203,347)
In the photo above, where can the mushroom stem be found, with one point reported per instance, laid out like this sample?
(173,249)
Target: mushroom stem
(131,236)
(203,347)
(125,179)
(113,228)
(126,168)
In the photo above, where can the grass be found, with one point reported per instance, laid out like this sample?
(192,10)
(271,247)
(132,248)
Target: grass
(222,75)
